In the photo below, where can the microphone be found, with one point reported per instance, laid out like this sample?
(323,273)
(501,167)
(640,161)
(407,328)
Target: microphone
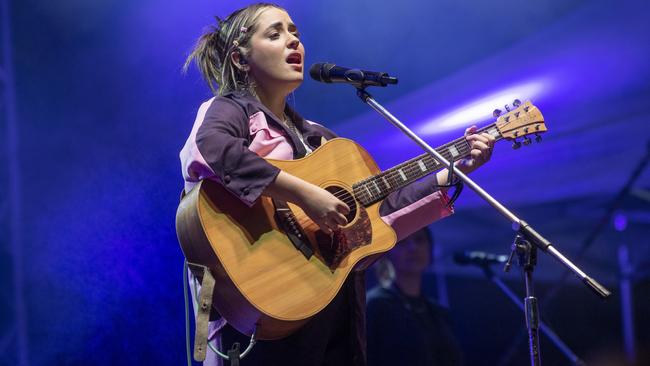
(330,73)
(479,258)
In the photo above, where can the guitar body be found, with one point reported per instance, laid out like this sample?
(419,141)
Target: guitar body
(263,280)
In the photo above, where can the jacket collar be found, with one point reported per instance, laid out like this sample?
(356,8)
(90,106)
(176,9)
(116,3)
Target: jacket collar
(252,105)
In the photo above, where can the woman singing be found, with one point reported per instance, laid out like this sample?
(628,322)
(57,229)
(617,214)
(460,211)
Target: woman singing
(252,60)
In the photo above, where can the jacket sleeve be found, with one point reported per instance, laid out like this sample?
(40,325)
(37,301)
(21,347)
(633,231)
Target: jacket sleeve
(221,140)
(415,206)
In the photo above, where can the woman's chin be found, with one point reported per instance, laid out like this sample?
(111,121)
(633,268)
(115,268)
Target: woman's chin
(295,82)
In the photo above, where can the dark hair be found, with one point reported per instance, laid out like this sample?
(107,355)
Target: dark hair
(214,48)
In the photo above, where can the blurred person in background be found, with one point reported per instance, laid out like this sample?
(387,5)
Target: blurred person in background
(404,326)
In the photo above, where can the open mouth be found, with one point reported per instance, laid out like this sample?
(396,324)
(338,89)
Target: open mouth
(295,58)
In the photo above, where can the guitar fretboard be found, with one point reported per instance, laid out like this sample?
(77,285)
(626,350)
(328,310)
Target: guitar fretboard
(377,187)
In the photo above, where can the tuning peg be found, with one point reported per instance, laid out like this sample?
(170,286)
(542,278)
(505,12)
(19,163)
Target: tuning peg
(527,141)
(516,144)
(507,107)
(496,113)
(516,103)
(538,137)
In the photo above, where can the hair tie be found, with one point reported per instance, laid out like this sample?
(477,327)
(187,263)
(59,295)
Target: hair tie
(243,29)
(235,43)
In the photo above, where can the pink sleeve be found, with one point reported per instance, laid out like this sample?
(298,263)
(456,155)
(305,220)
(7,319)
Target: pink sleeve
(419,214)
(194,166)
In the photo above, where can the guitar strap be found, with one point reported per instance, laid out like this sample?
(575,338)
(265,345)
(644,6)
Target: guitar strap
(203,311)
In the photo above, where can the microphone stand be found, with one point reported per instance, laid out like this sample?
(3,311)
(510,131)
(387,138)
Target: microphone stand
(525,232)
(545,328)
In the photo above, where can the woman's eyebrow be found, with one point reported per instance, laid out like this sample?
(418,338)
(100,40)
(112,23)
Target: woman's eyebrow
(278,25)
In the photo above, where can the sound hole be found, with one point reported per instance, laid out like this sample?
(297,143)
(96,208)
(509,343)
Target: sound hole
(347,197)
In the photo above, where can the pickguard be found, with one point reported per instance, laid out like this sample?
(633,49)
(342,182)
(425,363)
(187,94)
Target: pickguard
(332,249)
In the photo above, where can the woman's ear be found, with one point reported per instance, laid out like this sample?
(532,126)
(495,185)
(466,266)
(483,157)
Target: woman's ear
(239,61)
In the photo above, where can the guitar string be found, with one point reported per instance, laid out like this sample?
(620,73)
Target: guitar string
(393,172)
(411,169)
(463,150)
(408,168)
(444,148)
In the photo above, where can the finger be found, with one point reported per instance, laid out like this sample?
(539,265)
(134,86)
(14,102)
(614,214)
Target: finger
(477,137)
(481,155)
(343,208)
(470,130)
(477,155)
(325,228)
(322,224)
(490,138)
(333,226)
(339,219)
(480,145)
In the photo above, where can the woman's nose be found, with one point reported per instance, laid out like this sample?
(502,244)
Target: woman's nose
(293,44)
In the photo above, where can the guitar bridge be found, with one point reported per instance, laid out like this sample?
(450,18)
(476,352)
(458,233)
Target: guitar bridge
(287,221)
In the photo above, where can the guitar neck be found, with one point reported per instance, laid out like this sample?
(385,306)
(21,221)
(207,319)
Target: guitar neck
(377,187)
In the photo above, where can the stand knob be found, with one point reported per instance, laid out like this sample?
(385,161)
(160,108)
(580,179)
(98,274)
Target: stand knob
(538,138)
(516,144)
(516,103)
(527,141)
(496,113)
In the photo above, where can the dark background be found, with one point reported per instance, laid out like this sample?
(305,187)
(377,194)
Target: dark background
(89,261)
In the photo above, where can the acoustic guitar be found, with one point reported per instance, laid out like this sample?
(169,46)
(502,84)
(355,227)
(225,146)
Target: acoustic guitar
(274,268)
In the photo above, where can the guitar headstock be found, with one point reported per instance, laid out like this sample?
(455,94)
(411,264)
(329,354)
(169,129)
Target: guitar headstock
(521,122)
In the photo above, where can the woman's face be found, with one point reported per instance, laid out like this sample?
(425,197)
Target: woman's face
(276,55)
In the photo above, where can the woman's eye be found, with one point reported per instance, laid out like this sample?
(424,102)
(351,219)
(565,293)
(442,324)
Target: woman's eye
(275,36)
